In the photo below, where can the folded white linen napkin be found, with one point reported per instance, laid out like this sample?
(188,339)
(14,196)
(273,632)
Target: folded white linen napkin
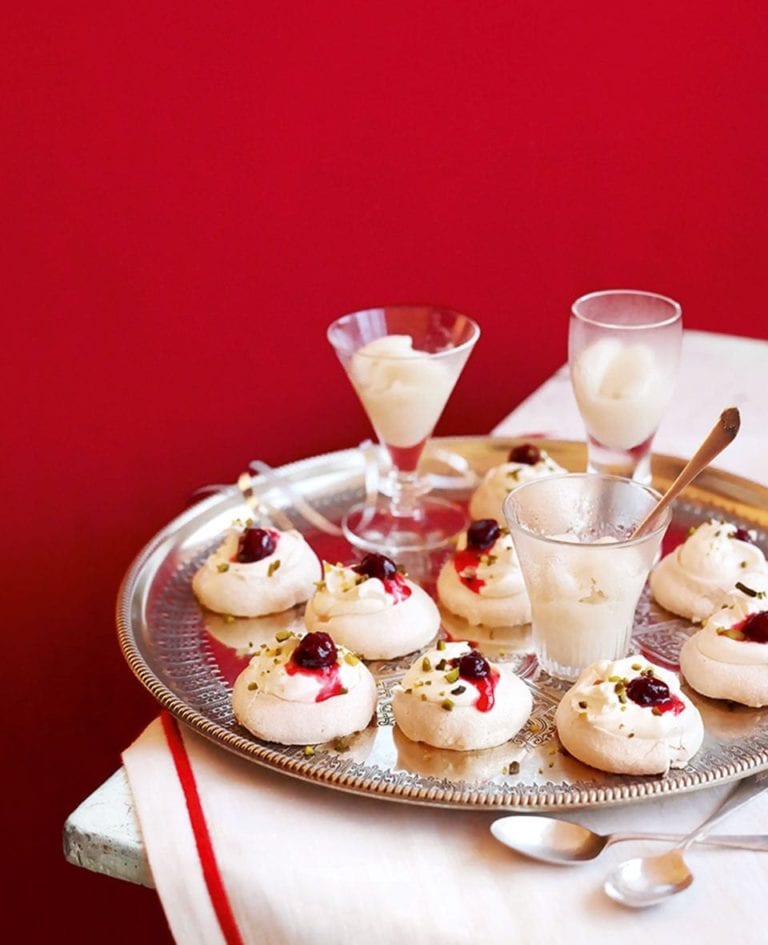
(301,863)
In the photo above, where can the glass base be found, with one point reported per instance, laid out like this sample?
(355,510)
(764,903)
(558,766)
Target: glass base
(633,464)
(374,528)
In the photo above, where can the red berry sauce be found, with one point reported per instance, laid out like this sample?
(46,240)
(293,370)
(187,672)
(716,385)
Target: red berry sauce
(316,656)
(653,693)
(525,453)
(754,627)
(255,544)
(385,569)
(741,534)
(475,669)
(482,534)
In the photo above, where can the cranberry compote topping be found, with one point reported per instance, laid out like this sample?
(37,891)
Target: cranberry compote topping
(743,535)
(315,651)
(377,566)
(483,533)
(647,690)
(255,544)
(473,665)
(525,453)
(755,627)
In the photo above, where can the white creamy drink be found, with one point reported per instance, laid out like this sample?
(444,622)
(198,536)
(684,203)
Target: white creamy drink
(622,391)
(583,599)
(403,390)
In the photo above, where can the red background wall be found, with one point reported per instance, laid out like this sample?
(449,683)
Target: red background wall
(193,191)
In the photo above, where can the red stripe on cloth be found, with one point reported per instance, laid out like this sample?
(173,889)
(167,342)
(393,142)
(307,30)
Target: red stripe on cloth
(210,867)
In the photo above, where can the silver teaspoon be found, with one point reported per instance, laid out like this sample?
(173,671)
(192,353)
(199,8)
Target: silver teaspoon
(648,880)
(559,841)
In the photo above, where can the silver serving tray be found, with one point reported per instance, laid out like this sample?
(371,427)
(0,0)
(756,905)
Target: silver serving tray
(188,658)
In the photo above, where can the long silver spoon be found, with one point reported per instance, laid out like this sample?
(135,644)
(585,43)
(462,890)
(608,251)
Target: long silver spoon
(562,842)
(721,434)
(647,880)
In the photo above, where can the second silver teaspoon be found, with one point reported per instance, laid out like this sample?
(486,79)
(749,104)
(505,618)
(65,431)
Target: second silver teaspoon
(648,880)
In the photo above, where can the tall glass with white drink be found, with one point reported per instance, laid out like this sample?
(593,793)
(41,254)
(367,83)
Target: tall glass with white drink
(623,351)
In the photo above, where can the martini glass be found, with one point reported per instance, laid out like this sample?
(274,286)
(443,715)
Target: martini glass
(403,362)
(623,350)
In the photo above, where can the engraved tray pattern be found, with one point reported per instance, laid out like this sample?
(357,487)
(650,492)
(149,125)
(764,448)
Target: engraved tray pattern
(188,659)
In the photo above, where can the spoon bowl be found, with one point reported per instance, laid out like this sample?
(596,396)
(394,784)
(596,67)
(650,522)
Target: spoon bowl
(549,839)
(646,881)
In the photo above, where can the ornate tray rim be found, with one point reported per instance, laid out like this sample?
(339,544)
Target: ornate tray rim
(739,496)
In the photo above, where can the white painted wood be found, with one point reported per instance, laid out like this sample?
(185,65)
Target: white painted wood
(103,834)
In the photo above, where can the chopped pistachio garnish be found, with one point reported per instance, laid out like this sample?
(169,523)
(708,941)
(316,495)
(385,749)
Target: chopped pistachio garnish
(319,585)
(441,665)
(637,667)
(447,704)
(514,767)
(441,644)
(452,675)
(458,690)
(426,665)
(309,750)
(273,567)
(282,635)
(351,659)
(229,618)
(749,591)
(582,704)
(252,686)
(341,744)
(221,568)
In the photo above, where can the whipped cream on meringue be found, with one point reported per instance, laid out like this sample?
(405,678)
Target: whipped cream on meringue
(690,580)
(378,619)
(432,678)
(599,722)
(402,389)
(344,592)
(252,589)
(438,705)
(596,694)
(485,587)
(726,659)
(719,639)
(499,481)
(268,671)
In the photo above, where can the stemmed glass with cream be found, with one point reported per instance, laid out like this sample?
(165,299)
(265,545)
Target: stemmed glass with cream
(403,362)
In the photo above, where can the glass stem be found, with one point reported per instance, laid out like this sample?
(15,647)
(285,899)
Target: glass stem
(404,490)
